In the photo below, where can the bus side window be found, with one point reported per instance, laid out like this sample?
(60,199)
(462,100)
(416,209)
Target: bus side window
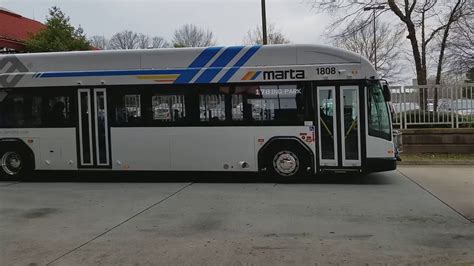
(237,107)
(132,107)
(168,108)
(21,110)
(212,107)
(127,109)
(283,104)
(58,111)
(212,103)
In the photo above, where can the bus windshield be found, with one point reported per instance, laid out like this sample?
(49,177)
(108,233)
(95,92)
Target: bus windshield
(379,119)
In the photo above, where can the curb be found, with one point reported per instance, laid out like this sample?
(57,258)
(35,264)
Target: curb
(453,162)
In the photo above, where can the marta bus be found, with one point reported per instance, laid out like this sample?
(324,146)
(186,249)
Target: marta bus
(286,110)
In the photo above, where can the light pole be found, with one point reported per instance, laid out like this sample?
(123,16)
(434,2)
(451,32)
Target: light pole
(374,8)
(264,24)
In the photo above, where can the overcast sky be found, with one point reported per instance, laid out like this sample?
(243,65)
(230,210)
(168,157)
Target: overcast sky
(228,19)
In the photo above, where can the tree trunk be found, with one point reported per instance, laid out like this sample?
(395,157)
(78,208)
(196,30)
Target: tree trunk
(420,68)
(452,18)
(422,90)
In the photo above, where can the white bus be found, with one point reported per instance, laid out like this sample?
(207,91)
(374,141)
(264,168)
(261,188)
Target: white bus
(287,110)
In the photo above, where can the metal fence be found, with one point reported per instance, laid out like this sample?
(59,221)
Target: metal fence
(433,106)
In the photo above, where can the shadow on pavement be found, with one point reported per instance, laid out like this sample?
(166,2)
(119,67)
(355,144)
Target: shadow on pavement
(208,177)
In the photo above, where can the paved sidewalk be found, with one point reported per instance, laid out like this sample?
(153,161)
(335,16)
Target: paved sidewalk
(454,185)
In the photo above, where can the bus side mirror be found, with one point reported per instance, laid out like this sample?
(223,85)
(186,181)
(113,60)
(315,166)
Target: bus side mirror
(386,93)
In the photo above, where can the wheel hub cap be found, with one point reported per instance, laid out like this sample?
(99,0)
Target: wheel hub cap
(286,163)
(11,163)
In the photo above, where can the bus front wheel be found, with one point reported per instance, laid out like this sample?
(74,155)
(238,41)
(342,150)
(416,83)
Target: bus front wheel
(288,162)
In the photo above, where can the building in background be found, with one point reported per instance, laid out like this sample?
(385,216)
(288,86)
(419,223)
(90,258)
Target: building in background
(15,30)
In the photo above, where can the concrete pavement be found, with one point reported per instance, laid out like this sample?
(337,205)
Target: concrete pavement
(381,218)
(452,184)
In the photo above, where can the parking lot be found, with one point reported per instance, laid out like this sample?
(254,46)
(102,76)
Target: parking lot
(417,215)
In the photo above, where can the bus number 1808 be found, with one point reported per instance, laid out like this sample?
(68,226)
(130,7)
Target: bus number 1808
(326,71)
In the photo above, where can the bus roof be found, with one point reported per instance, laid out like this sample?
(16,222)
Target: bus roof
(178,65)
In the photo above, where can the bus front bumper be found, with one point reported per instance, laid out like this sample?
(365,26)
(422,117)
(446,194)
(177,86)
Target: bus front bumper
(380,164)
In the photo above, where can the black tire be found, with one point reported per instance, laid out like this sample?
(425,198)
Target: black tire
(15,164)
(288,163)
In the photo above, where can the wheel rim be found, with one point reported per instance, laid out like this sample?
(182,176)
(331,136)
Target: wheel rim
(286,163)
(11,163)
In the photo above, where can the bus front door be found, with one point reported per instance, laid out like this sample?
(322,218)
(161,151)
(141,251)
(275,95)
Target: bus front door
(93,129)
(338,115)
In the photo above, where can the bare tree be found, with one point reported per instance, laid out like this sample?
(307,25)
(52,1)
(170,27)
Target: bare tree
(124,40)
(159,42)
(190,35)
(144,41)
(274,36)
(387,46)
(455,16)
(131,40)
(99,42)
(470,75)
(457,13)
(460,47)
(423,20)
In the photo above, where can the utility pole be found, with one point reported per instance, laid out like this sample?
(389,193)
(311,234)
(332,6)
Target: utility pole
(264,24)
(375,8)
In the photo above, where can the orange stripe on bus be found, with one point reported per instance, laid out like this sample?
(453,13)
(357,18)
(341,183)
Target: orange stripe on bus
(248,76)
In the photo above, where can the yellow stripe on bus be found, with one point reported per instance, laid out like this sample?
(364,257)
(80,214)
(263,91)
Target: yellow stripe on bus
(160,77)
(249,75)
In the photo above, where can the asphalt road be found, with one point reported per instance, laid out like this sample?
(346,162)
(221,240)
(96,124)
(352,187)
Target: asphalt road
(408,216)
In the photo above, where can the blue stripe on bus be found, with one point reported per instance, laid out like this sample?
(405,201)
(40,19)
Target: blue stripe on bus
(218,64)
(103,73)
(186,75)
(230,73)
(205,57)
(256,75)
(197,64)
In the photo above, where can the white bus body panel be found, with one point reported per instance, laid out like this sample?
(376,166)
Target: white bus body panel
(195,148)
(54,148)
(379,148)
(161,149)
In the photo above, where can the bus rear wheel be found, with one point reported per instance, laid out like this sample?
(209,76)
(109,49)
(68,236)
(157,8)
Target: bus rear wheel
(13,164)
(288,162)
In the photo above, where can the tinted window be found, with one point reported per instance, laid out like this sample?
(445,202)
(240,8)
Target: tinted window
(24,109)
(59,111)
(18,110)
(203,105)
(279,103)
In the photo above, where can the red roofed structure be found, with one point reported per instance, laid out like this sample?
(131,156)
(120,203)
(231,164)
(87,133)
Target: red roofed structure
(15,30)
